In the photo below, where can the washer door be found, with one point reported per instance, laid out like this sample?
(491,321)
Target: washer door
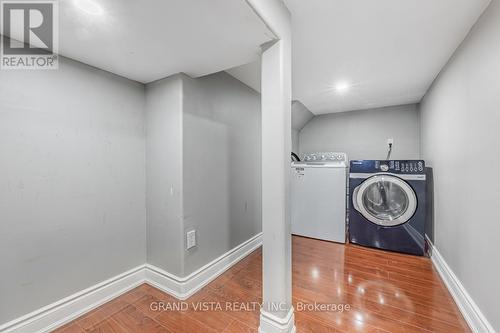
(385,200)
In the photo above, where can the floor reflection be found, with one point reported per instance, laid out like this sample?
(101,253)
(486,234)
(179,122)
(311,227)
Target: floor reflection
(387,292)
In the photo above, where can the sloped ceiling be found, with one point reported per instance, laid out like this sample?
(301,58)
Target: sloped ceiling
(379,53)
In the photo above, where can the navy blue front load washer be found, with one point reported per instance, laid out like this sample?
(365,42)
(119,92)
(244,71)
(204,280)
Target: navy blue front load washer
(387,205)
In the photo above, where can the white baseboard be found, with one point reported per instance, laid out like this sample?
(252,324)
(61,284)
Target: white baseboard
(469,309)
(65,310)
(183,288)
(57,314)
(269,323)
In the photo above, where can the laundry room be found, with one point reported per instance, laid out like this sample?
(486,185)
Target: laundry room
(362,139)
(249,166)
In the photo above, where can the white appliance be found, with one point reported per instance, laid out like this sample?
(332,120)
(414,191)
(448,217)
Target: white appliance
(318,196)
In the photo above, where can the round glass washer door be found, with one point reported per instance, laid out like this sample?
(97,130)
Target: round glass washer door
(385,200)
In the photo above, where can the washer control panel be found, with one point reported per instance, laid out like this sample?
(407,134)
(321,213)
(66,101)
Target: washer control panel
(325,157)
(393,166)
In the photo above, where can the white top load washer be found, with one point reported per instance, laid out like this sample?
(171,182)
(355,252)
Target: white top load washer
(318,196)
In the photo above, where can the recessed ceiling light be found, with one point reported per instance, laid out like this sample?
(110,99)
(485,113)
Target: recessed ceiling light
(342,87)
(89,7)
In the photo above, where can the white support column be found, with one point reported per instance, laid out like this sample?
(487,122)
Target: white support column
(277,312)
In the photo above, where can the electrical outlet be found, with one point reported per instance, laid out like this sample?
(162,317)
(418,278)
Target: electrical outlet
(190,239)
(390,141)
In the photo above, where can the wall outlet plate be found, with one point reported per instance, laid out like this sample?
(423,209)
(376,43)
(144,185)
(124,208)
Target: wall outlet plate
(390,141)
(190,239)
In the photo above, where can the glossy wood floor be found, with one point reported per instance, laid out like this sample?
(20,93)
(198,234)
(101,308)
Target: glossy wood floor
(386,292)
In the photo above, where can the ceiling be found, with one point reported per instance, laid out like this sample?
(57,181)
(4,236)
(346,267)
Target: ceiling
(360,54)
(347,54)
(151,39)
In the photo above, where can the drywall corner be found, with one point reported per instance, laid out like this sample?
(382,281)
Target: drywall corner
(164,173)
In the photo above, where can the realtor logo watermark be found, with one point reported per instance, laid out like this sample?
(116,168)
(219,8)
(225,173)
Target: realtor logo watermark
(30,37)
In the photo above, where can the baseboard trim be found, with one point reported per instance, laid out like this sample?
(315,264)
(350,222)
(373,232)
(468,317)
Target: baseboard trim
(469,309)
(59,313)
(270,323)
(184,287)
(65,310)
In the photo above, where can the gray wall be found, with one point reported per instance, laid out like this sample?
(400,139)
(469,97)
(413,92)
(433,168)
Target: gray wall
(363,134)
(203,168)
(300,117)
(222,165)
(460,137)
(74,153)
(164,174)
(72,183)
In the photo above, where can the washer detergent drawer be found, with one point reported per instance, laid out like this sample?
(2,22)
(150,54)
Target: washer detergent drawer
(318,202)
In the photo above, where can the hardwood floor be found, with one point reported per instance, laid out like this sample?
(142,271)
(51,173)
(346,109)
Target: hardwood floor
(386,292)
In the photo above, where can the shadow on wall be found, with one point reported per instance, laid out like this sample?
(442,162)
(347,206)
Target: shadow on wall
(300,117)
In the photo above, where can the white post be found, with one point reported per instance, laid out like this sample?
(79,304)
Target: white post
(277,312)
